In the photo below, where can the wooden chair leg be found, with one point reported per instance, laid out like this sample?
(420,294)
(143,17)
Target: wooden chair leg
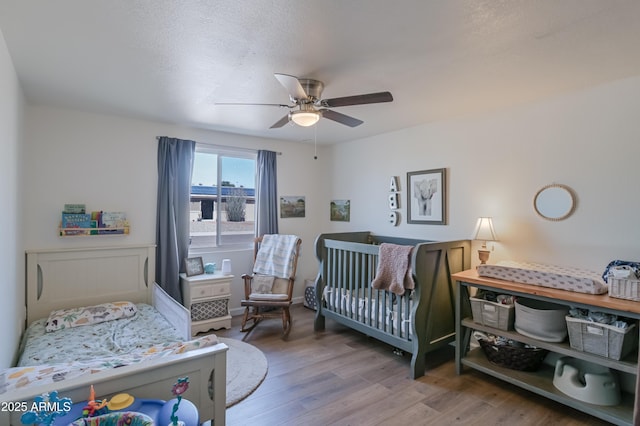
(286,320)
(250,313)
(245,317)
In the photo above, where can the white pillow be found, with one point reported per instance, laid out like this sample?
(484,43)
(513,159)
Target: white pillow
(77,317)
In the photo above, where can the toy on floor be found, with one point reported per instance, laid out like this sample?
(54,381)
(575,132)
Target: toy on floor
(93,407)
(120,409)
(177,390)
(116,419)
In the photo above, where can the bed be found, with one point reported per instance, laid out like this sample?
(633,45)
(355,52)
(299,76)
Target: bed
(418,321)
(71,278)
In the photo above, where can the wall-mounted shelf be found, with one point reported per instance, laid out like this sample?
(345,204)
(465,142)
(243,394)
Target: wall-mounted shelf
(75,222)
(83,232)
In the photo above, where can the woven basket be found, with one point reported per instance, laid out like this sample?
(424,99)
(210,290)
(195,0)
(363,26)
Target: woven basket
(624,288)
(513,357)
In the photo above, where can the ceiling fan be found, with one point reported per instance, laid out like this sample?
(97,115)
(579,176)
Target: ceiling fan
(307,106)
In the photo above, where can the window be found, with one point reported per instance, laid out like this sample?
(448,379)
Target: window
(222,208)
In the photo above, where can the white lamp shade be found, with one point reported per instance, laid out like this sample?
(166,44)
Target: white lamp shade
(484,230)
(305,118)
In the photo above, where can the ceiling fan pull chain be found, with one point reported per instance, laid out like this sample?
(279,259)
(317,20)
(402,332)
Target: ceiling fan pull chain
(315,142)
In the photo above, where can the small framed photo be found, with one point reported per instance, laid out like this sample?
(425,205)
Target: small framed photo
(340,210)
(426,197)
(193,266)
(292,206)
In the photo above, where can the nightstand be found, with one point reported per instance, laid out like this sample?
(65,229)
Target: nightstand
(207,298)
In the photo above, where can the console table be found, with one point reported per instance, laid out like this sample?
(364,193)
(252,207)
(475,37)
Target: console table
(541,381)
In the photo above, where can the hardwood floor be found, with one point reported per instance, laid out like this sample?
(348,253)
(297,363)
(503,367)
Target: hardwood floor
(341,377)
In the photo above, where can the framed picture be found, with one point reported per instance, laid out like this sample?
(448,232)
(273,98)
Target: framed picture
(340,210)
(193,266)
(426,197)
(292,206)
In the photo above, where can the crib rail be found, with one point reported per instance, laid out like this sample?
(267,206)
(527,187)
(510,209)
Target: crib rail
(349,270)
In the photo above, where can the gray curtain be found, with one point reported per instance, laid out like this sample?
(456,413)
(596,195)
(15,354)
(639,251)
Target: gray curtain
(267,194)
(175,162)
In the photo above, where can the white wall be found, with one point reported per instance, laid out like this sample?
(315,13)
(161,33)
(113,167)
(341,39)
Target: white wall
(496,163)
(11,258)
(109,163)
(589,141)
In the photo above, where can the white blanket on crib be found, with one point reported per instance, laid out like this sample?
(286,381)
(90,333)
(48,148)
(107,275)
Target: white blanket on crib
(276,255)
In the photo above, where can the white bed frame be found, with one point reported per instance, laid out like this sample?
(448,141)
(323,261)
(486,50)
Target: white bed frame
(67,278)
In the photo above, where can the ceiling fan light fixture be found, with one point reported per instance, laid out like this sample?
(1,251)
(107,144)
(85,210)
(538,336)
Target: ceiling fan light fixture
(305,118)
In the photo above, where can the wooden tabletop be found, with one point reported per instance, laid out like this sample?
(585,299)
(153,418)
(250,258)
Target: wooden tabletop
(601,300)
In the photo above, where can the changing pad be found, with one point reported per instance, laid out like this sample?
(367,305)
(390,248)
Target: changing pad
(562,278)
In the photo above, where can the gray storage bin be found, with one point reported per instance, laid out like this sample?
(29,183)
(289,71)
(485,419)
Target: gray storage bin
(492,314)
(541,320)
(601,339)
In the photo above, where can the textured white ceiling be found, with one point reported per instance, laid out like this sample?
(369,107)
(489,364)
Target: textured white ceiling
(173,60)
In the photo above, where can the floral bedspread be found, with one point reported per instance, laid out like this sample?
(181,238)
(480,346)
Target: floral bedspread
(19,377)
(118,337)
(49,357)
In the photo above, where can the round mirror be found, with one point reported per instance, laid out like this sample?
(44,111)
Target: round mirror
(554,202)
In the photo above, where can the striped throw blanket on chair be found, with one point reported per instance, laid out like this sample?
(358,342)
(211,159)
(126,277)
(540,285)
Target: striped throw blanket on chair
(275,256)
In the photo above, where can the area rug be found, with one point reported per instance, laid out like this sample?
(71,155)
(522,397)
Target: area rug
(246,369)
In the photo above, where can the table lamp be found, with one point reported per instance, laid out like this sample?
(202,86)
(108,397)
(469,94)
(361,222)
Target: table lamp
(226,267)
(484,232)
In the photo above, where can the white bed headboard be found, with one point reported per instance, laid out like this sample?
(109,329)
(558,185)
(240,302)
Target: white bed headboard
(68,278)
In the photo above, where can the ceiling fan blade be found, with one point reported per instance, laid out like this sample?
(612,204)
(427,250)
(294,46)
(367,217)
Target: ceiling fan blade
(284,120)
(371,98)
(293,86)
(252,104)
(341,118)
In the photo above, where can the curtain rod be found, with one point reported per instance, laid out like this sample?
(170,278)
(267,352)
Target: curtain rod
(227,147)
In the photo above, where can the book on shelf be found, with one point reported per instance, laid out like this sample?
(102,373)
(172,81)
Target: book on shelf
(117,221)
(76,220)
(74,208)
